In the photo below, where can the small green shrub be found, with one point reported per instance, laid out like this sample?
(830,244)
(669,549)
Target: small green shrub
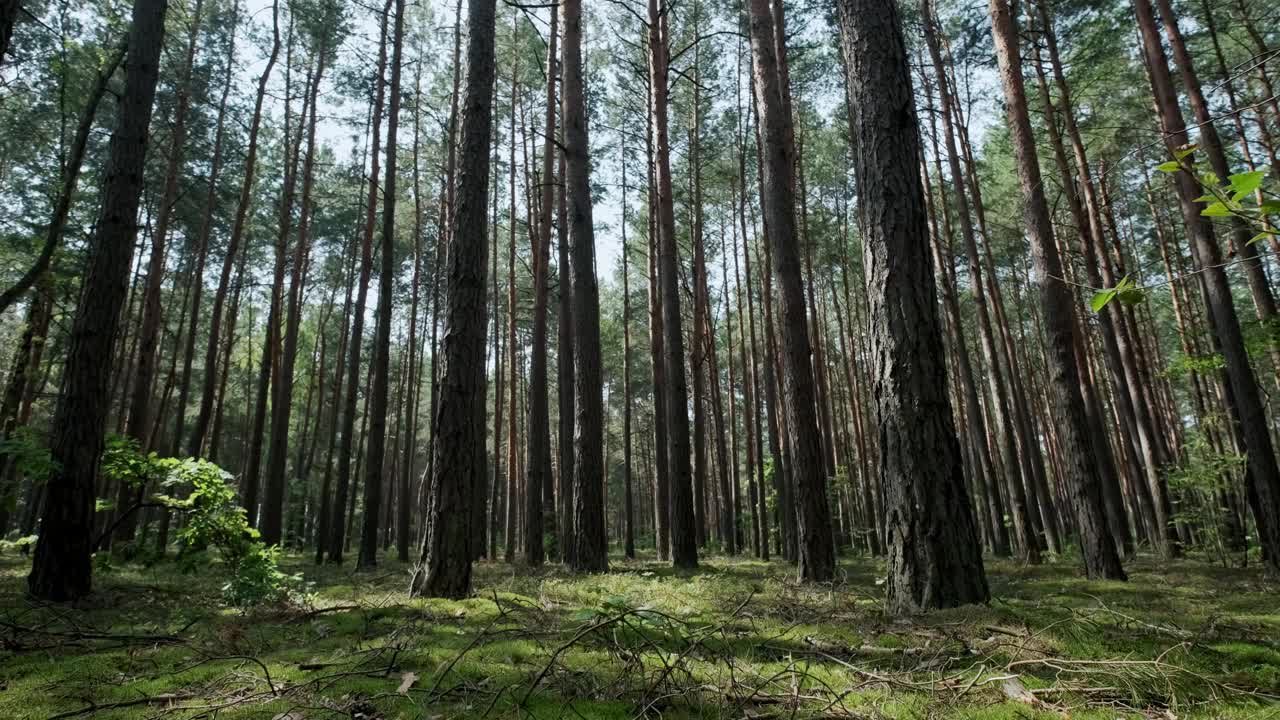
(216,522)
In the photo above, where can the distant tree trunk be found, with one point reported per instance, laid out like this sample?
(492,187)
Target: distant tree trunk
(628,509)
(355,345)
(202,241)
(211,374)
(757,492)
(1028,544)
(816,554)
(459,424)
(538,476)
(657,356)
(684,546)
(935,557)
(61,570)
(378,405)
(699,340)
(272,524)
(592,549)
(325,510)
(750,410)
(1116,514)
(564,373)
(1249,412)
(1097,545)
(1255,273)
(733,510)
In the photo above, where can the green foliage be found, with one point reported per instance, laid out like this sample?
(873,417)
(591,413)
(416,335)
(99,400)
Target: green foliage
(1201,478)
(202,491)
(1126,291)
(30,456)
(8,546)
(1242,196)
(124,462)
(1183,365)
(214,520)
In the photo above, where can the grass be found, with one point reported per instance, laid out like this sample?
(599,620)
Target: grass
(735,639)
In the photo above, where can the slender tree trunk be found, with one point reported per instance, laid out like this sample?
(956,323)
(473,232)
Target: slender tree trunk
(355,346)
(657,357)
(683,532)
(816,552)
(1249,412)
(628,511)
(282,400)
(1100,556)
(378,406)
(61,570)
(538,478)
(211,374)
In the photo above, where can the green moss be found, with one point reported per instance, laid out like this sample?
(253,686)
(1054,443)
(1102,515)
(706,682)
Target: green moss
(738,637)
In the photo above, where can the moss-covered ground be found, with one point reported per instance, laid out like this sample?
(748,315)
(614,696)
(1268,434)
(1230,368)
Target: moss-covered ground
(735,639)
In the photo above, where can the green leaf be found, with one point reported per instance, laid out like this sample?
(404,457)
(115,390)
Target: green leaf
(1243,184)
(1186,150)
(1206,198)
(1131,296)
(1171,166)
(1269,207)
(1216,210)
(1101,298)
(1259,236)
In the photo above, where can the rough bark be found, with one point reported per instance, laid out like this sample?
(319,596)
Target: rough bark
(684,547)
(816,554)
(61,569)
(459,424)
(935,557)
(591,553)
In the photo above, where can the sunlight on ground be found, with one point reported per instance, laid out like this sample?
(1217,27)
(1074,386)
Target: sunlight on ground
(736,639)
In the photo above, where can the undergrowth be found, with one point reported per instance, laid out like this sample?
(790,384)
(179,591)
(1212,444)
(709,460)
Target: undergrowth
(735,639)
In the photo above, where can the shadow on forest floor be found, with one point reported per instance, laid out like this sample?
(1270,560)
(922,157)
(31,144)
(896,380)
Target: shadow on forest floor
(734,639)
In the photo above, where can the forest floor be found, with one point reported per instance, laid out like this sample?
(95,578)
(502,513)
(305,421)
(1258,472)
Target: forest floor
(735,639)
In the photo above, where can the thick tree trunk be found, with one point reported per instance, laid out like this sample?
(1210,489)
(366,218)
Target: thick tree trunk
(459,424)
(61,569)
(935,556)
(592,548)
